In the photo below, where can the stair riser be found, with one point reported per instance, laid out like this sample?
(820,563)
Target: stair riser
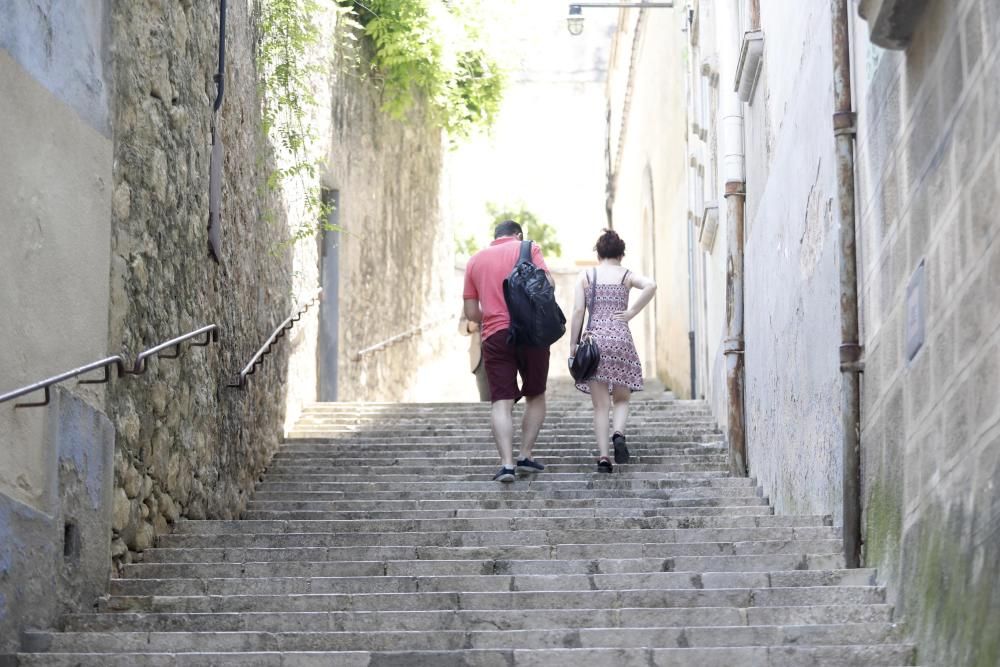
(615,529)
(445,640)
(709,498)
(246,599)
(480,620)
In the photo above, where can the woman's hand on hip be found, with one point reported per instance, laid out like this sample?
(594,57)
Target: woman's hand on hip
(623,315)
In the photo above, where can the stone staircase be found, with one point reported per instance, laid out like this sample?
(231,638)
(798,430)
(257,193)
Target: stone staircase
(376,538)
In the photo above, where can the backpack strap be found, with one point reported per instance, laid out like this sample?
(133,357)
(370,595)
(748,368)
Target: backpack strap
(525,255)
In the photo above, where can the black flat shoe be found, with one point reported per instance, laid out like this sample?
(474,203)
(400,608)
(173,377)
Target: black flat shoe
(621,451)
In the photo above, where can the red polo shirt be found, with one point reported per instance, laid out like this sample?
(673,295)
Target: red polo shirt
(484,276)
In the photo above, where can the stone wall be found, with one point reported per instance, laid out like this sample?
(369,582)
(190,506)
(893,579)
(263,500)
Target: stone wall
(188,445)
(930,190)
(647,106)
(395,260)
(791,259)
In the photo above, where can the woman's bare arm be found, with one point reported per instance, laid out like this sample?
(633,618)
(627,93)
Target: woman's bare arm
(648,289)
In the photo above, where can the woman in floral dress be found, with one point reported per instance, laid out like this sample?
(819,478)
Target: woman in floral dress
(619,372)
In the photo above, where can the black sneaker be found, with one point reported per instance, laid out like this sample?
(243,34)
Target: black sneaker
(528,467)
(621,451)
(604,465)
(505,474)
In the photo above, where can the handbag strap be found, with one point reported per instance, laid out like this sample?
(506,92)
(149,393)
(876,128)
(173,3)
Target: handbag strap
(590,306)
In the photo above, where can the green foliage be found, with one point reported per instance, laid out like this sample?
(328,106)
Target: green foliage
(468,246)
(433,48)
(541,233)
(289,58)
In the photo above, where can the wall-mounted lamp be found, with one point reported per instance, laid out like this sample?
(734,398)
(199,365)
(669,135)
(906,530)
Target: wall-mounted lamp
(574,22)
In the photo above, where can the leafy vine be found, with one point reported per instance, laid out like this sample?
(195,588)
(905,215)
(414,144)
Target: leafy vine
(428,49)
(432,48)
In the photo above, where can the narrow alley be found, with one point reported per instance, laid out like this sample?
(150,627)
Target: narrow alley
(269,395)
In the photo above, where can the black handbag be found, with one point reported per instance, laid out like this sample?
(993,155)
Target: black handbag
(588,355)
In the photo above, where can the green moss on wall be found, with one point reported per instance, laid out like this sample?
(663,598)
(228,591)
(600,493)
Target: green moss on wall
(883,525)
(951,593)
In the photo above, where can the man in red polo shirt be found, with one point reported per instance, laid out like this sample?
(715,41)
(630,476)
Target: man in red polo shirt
(484,303)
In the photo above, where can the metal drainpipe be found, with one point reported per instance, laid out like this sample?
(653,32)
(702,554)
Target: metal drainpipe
(851,351)
(734,347)
(735,194)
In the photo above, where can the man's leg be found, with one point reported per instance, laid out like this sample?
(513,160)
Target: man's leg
(531,423)
(533,364)
(503,430)
(500,362)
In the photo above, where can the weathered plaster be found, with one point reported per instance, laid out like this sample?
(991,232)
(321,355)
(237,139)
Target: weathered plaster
(55,183)
(41,576)
(62,45)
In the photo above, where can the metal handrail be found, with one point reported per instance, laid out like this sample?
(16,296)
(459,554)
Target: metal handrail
(105,363)
(258,358)
(400,337)
(211,333)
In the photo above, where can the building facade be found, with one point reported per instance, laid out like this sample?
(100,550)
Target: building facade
(778,221)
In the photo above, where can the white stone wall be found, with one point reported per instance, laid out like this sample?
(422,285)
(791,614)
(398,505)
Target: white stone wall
(646,89)
(704,193)
(792,298)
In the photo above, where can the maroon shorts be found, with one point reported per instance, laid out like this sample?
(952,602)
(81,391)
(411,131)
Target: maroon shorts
(504,361)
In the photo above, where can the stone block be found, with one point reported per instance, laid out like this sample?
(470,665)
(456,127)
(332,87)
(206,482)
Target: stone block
(972,37)
(951,78)
(985,408)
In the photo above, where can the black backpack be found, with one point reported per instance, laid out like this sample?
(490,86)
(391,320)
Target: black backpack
(535,317)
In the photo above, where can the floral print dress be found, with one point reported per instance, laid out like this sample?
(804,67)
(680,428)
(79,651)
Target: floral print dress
(619,365)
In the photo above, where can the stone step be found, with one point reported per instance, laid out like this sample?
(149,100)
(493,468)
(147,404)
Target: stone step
(884,655)
(246,597)
(595,543)
(480,620)
(504,575)
(471,560)
(614,528)
(686,488)
(452,640)
(680,517)
(553,405)
(418,466)
(448,475)
(449,472)
(887,655)
(306,621)
(496,492)
(503,554)
(703,455)
(323,578)
(482,432)
(302,440)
